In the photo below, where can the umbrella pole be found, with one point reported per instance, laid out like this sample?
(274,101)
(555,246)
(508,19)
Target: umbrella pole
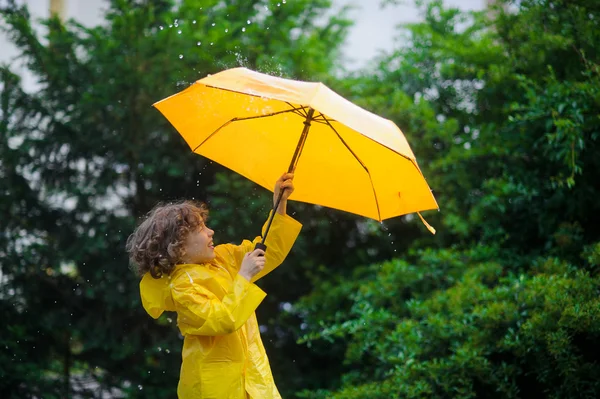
(292,167)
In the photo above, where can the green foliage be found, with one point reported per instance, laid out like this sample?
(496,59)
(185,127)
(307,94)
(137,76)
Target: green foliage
(83,155)
(501,108)
(462,327)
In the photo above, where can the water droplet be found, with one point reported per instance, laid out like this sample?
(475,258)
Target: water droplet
(198,44)
(278,4)
(283,1)
(248,21)
(180,57)
(160,27)
(179,32)
(170,26)
(213,24)
(140,387)
(243,29)
(168,351)
(211,43)
(194,21)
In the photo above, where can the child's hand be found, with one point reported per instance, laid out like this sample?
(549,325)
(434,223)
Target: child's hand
(286,183)
(252,264)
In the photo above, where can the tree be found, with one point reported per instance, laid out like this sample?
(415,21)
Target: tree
(502,302)
(83,157)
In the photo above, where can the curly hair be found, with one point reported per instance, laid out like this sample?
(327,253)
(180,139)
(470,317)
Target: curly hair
(157,244)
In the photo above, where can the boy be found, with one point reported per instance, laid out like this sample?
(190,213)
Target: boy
(213,292)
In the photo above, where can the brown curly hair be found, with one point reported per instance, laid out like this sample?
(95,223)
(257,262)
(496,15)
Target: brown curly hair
(157,244)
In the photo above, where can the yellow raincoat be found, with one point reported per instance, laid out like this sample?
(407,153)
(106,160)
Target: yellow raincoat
(223,355)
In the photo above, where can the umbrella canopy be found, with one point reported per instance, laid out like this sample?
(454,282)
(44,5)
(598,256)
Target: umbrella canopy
(343,156)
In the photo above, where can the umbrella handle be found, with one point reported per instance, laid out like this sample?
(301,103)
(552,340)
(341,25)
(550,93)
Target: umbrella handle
(260,245)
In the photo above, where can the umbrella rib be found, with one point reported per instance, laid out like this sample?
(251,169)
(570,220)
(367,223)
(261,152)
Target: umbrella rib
(361,163)
(327,121)
(298,111)
(294,110)
(266,115)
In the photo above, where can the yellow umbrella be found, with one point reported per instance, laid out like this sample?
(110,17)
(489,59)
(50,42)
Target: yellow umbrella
(343,156)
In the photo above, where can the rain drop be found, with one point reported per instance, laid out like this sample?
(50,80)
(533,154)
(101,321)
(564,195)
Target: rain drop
(243,29)
(213,24)
(198,44)
(283,1)
(278,4)
(140,387)
(248,21)
(226,30)
(211,43)
(179,32)
(168,351)
(194,21)
(161,28)
(170,26)
(180,57)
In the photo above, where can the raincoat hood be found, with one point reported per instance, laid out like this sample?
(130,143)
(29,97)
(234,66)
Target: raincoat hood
(156,295)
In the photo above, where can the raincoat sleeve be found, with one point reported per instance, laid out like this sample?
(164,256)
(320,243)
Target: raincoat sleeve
(282,235)
(201,312)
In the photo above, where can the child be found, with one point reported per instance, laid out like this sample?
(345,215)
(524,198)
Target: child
(213,292)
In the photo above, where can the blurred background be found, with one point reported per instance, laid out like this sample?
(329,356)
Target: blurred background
(499,100)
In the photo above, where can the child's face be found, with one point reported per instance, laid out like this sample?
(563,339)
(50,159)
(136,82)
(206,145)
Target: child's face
(199,247)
